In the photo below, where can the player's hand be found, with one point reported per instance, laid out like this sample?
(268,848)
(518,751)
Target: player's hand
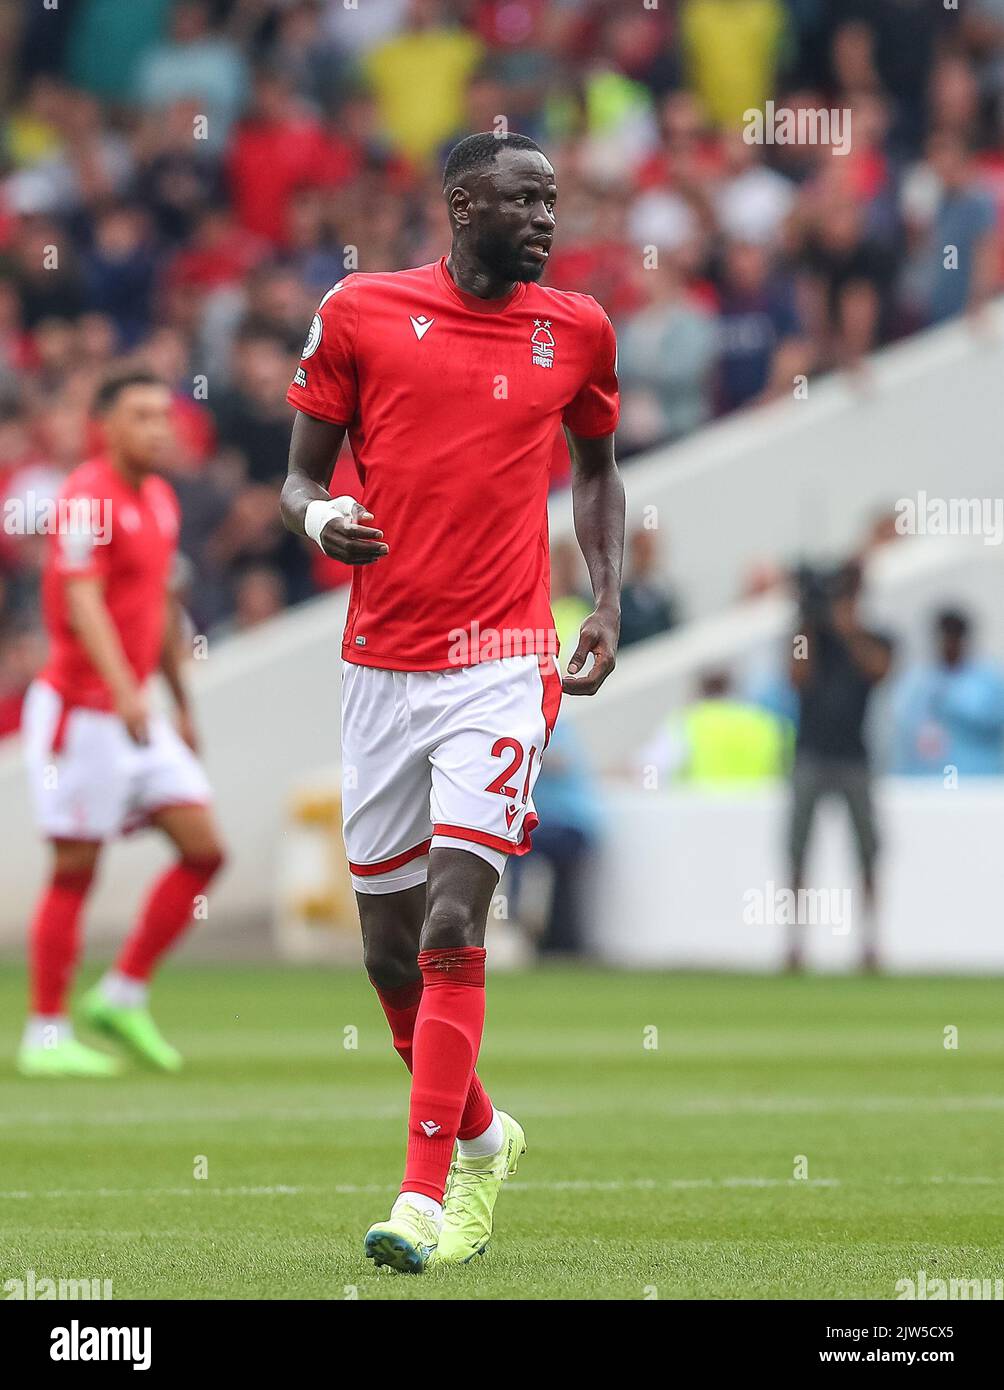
(134,712)
(186,728)
(347,540)
(598,635)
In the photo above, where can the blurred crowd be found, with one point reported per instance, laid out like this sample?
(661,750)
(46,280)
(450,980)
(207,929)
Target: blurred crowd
(182,179)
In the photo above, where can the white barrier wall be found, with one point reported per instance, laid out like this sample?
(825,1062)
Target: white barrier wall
(720,857)
(805,477)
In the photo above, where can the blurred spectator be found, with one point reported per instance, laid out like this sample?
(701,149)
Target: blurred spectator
(306,53)
(420,75)
(259,594)
(253,416)
(87,161)
(904,68)
(752,201)
(666,353)
(565,839)
(197,62)
(277,149)
(949,712)
(355,31)
(836,665)
(46,272)
(316,256)
(689,157)
(953,230)
(108,41)
(119,272)
(761,342)
(176,177)
(853,60)
(719,740)
(647,605)
(165,352)
(596,255)
(849,275)
(732,49)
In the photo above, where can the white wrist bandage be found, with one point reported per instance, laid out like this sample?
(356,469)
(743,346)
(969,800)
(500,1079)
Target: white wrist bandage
(319,513)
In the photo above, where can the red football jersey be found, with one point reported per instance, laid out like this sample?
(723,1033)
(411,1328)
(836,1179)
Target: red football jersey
(127,538)
(452,405)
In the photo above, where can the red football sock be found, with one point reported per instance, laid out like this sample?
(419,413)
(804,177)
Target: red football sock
(55,940)
(167,913)
(451,1019)
(401,1007)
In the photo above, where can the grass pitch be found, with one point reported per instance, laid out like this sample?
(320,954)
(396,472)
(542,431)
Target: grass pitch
(661,1164)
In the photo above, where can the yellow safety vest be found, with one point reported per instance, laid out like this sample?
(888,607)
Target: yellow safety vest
(734,742)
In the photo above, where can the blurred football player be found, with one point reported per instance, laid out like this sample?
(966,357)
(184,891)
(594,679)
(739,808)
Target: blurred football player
(100,762)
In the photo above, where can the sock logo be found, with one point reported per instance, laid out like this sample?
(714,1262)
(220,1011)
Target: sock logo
(430,1128)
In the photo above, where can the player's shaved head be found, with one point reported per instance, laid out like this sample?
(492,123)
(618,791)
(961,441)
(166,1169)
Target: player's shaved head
(478,152)
(501,192)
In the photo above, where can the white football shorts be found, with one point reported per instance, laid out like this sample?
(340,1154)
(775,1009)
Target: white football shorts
(441,758)
(90,781)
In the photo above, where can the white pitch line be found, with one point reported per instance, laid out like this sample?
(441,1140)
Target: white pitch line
(571,1185)
(746,1105)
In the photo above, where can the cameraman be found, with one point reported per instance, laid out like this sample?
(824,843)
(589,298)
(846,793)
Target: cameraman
(836,664)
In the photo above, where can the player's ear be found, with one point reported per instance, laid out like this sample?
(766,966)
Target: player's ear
(459,203)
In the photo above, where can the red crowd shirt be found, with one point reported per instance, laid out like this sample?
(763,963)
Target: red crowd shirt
(268,162)
(452,405)
(130,548)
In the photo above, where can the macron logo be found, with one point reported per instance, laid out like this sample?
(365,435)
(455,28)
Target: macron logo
(430,1127)
(421,325)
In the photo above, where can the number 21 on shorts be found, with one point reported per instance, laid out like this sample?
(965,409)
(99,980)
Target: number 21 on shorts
(512,748)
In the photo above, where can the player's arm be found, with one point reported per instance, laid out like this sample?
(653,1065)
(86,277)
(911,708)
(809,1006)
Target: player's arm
(598,511)
(93,625)
(173,667)
(307,507)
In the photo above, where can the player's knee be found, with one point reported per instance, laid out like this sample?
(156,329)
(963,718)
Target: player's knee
(207,860)
(388,964)
(74,859)
(450,922)
(210,854)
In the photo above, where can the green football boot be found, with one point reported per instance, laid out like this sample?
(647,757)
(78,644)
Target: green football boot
(65,1058)
(472,1190)
(134,1028)
(406,1241)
